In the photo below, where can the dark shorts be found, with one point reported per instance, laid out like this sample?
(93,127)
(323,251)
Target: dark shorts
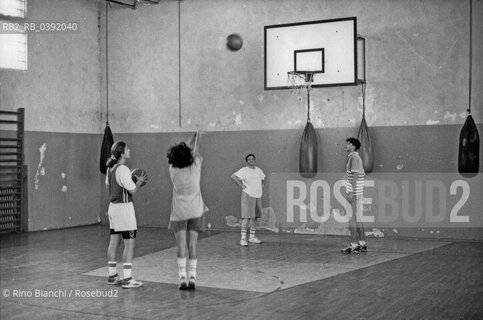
(125,234)
(197,224)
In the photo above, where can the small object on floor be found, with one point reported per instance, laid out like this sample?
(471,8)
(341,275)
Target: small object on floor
(350,250)
(254,240)
(243,243)
(131,283)
(114,280)
(183,284)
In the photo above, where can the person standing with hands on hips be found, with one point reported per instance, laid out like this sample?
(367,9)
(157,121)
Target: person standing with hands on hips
(251,180)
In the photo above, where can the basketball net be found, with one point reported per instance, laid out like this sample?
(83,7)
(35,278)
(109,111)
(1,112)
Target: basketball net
(298,81)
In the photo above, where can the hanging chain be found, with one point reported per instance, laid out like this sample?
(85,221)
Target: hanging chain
(471,56)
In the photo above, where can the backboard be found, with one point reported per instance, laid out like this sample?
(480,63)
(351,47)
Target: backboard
(326,47)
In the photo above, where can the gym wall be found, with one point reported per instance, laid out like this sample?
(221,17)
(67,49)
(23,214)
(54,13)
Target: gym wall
(60,92)
(417,93)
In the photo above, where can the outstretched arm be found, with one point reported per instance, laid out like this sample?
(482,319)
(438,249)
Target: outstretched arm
(191,141)
(194,143)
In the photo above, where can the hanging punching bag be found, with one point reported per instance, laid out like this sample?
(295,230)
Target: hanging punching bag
(107,143)
(469,149)
(308,152)
(365,150)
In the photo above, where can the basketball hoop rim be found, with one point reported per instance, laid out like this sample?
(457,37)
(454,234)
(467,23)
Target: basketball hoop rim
(305,75)
(300,72)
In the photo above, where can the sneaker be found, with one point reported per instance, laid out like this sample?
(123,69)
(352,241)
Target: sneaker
(254,240)
(114,280)
(243,243)
(350,250)
(131,283)
(183,284)
(362,248)
(191,283)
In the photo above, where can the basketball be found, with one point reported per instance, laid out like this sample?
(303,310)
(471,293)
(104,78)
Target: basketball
(234,42)
(138,172)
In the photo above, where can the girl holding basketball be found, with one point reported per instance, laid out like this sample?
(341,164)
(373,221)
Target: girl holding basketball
(187,208)
(122,218)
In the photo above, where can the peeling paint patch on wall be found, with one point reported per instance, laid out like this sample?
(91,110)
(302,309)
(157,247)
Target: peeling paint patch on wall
(238,119)
(232,221)
(64,187)
(375,232)
(319,123)
(451,116)
(268,220)
(40,168)
(295,122)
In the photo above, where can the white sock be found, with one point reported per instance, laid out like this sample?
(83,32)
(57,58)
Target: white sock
(126,268)
(362,243)
(193,263)
(243,234)
(353,245)
(182,267)
(112,268)
(252,233)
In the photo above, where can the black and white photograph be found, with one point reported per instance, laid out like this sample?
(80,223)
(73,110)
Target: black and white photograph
(241,159)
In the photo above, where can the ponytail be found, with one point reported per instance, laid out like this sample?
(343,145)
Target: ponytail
(116,151)
(111,162)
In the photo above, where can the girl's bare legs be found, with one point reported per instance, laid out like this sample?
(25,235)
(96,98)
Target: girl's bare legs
(181,236)
(193,261)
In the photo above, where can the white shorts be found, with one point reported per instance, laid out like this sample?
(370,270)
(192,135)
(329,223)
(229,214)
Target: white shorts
(122,216)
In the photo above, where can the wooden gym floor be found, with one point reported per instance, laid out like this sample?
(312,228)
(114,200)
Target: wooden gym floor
(61,274)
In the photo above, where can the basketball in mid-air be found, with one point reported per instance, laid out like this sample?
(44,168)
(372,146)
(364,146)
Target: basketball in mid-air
(234,42)
(138,172)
